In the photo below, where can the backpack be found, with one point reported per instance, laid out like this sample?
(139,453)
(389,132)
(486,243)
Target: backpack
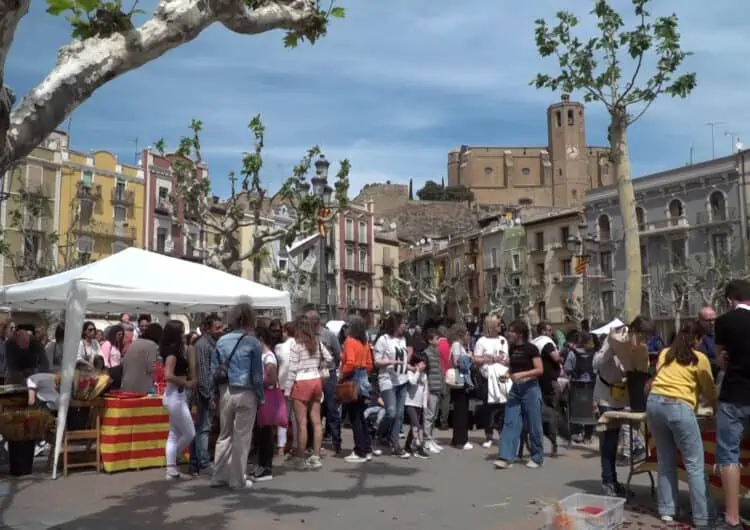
(221,376)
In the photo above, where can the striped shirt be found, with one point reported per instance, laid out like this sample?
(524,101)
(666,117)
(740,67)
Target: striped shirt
(304,366)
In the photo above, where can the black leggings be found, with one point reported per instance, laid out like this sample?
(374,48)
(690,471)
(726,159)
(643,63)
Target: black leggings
(415,416)
(460,400)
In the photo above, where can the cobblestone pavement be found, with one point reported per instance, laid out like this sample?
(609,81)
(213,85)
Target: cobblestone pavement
(457,489)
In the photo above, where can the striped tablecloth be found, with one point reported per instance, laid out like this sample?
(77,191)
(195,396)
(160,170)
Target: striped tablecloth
(134,433)
(708,433)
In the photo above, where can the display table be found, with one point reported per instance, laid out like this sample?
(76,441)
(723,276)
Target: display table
(134,433)
(708,433)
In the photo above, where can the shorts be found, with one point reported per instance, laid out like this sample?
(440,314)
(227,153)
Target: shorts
(731,422)
(307,390)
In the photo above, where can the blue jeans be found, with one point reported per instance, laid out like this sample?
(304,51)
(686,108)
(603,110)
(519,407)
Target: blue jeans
(332,414)
(731,423)
(395,400)
(674,427)
(200,458)
(524,406)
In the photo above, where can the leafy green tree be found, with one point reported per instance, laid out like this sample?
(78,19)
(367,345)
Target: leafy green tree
(432,191)
(249,204)
(595,67)
(106,44)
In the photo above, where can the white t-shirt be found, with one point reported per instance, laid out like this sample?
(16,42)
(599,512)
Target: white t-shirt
(282,352)
(88,350)
(44,385)
(491,347)
(392,349)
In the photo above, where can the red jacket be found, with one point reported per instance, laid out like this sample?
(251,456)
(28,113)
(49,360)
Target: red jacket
(355,355)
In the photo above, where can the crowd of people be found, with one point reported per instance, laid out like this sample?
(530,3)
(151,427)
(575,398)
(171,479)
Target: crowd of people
(279,389)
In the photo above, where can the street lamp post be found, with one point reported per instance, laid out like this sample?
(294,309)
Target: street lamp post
(322,191)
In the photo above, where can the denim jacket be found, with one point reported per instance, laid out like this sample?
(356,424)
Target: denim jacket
(245,370)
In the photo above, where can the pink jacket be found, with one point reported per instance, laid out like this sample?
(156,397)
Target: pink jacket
(112,355)
(445,355)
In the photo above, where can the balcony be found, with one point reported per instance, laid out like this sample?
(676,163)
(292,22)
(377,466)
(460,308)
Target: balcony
(665,226)
(88,192)
(107,230)
(123,196)
(609,237)
(717,217)
(164,206)
(599,273)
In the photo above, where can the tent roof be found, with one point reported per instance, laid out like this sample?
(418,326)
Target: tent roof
(139,280)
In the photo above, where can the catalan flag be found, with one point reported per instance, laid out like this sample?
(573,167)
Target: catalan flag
(581,264)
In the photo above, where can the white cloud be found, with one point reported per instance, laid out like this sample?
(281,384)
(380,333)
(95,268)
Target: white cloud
(393,87)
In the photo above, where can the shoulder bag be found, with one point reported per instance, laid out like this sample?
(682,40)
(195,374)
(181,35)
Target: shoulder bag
(221,376)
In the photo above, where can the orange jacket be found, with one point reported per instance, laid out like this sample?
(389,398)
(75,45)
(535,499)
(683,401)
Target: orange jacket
(354,355)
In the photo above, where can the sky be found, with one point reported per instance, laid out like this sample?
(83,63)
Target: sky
(393,88)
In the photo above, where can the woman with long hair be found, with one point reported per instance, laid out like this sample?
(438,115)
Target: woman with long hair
(265,442)
(112,348)
(458,337)
(178,377)
(391,359)
(524,406)
(89,347)
(283,351)
(356,364)
(309,363)
(683,375)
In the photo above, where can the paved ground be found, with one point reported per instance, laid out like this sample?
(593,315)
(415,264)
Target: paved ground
(454,490)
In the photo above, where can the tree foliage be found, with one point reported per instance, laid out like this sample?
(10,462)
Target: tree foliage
(248,204)
(596,67)
(432,191)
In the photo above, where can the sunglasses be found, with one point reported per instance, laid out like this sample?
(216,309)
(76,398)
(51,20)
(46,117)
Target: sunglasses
(90,329)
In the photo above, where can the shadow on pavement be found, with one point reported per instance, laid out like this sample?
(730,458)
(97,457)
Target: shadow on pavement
(10,487)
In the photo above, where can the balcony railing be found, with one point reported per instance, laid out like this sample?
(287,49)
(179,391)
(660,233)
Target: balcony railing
(88,192)
(109,230)
(165,206)
(720,215)
(123,196)
(673,223)
(609,236)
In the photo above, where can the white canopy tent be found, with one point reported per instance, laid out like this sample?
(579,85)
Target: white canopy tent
(132,280)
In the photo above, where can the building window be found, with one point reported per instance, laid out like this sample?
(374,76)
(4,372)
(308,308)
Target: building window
(539,241)
(541,311)
(605,264)
(564,234)
(350,258)
(718,206)
(282,264)
(644,259)
(363,260)
(349,230)
(120,214)
(119,189)
(559,172)
(494,283)
(605,169)
(161,239)
(640,218)
(349,294)
(604,228)
(32,244)
(34,178)
(515,262)
(456,268)
(493,258)
(566,267)
(525,172)
(677,254)
(362,232)
(571,119)
(539,272)
(363,295)
(558,118)
(608,304)
(88,179)
(676,212)
(720,247)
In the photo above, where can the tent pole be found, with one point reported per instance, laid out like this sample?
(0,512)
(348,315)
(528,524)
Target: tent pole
(75,313)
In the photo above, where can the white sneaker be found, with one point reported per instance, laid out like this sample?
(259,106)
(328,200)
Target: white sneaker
(468,446)
(432,447)
(369,457)
(502,464)
(667,518)
(437,445)
(314,462)
(487,444)
(246,486)
(533,465)
(354,458)
(174,475)
(377,452)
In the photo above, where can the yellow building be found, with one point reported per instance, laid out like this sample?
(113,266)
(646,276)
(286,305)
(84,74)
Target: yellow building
(29,216)
(101,205)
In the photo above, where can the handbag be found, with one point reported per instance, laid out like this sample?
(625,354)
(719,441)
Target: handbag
(347,391)
(272,412)
(324,370)
(221,376)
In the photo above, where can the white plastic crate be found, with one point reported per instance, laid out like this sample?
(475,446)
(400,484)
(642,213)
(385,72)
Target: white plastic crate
(611,516)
